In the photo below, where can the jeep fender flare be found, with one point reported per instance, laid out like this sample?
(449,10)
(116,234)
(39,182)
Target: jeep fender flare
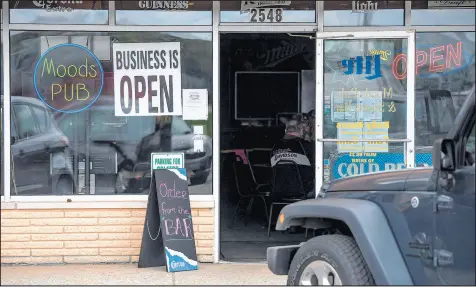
(370,229)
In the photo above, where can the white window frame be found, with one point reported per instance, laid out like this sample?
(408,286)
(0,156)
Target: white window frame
(110,27)
(409,142)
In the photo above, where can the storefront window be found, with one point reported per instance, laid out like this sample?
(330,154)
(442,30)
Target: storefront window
(262,12)
(164,12)
(1,111)
(363,106)
(445,77)
(443,13)
(65,145)
(363,13)
(59,12)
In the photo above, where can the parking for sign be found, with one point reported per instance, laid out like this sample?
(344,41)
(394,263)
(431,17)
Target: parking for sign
(147,79)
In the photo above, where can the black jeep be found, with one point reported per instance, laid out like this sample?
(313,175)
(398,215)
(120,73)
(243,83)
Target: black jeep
(408,227)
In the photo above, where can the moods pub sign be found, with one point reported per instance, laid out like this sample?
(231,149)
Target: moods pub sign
(68,78)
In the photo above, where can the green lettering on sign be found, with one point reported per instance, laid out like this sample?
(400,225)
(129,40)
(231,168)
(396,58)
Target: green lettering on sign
(167,161)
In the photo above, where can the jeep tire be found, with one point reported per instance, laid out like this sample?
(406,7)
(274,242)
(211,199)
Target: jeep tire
(329,254)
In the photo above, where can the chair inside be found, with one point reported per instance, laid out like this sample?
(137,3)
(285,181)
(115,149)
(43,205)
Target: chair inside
(287,182)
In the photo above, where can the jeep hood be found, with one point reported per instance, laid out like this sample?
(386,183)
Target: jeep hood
(416,179)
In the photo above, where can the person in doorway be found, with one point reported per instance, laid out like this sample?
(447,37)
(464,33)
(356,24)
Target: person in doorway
(296,146)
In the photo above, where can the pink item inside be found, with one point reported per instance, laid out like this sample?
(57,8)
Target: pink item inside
(242,154)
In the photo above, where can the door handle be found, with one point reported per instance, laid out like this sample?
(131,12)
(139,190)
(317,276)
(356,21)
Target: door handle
(444,202)
(442,257)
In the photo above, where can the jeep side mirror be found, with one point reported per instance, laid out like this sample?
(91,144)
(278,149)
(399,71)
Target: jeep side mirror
(12,140)
(444,157)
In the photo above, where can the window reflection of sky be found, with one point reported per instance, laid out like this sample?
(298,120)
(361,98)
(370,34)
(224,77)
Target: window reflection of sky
(347,18)
(148,17)
(443,17)
(384,17)
(42,16)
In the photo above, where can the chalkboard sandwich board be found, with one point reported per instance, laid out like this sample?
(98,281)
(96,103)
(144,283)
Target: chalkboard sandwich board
(168,237)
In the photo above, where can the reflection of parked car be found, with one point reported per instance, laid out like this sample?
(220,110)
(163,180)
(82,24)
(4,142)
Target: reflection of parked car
(111,144)
(39,150)
(434,115)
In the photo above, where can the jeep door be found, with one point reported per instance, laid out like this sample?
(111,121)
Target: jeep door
(455,216)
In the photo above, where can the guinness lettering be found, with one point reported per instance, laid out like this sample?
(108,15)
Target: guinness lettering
(164,5)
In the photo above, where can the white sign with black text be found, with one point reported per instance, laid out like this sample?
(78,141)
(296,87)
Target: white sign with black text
(266,15)
(147,79)
(246,5)
(451,4)
(198,142)
(195,104)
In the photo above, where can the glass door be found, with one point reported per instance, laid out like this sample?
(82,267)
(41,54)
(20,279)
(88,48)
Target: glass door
(365,103)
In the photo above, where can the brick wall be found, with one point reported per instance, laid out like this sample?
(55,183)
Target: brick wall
(86,235)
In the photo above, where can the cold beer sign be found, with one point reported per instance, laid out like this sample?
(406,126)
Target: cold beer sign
(147,79)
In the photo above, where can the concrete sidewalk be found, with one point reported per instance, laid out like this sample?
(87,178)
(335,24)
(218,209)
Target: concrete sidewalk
(129,274)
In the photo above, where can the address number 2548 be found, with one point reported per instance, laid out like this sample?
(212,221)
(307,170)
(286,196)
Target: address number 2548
(266,15)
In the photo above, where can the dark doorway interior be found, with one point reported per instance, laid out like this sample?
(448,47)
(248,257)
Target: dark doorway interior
(262,76)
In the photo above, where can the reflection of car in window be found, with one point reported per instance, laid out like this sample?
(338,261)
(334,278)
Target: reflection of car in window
(111,143)
(434,115)
(180,127)
(438,114)
(40,155)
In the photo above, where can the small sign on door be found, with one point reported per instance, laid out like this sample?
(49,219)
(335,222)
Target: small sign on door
(167,161)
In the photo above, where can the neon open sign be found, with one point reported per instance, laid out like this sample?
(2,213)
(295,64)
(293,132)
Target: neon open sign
(433,61)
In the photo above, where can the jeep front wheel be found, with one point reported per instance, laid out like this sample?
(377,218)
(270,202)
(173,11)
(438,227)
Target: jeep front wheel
(329,260)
